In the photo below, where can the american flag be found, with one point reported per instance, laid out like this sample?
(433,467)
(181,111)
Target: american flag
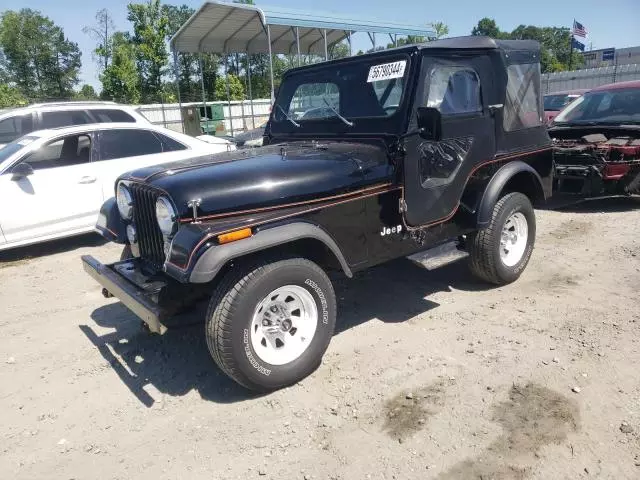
(579,30)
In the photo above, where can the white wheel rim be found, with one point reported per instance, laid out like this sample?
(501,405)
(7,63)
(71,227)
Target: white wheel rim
(284,324)
(513,239)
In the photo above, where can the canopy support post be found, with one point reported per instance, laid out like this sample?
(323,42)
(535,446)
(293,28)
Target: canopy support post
(204,95)
(226,76)
(176,74)
(372,37)
(326,50)
(253,117)
(270,64)
(298,44)
(349,41)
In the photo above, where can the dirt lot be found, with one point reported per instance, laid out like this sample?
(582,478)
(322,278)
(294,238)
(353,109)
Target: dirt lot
(431,375)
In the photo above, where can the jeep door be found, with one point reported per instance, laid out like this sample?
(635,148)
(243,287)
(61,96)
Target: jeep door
(56,195)
(461,87)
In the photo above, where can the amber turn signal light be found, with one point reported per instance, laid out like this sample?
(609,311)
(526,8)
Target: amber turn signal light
(233,236)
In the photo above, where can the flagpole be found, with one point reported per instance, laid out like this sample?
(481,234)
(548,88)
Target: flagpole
(571,45)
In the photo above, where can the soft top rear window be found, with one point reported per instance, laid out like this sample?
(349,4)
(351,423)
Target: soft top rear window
(522,108)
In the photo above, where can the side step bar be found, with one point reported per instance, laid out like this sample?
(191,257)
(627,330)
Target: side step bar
(439,256)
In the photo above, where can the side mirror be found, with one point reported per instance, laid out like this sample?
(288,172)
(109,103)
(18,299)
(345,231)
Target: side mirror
(21,171)
(430,123)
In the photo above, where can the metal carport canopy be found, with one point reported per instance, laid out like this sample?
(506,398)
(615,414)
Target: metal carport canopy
(219,27)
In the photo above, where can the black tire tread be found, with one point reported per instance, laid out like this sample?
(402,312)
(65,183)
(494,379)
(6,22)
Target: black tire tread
(220,312)
(482,255)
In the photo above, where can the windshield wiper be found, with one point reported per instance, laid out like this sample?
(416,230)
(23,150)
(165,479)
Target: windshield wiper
(346,122)
(296,124)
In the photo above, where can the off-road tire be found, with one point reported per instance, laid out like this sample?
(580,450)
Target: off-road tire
(230,314)
(126,253)
(484,245)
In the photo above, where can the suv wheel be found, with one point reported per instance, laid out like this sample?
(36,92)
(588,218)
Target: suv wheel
(500,252)
(269,325)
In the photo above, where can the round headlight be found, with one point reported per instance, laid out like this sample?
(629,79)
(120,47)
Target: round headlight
(166,216)
(125,202)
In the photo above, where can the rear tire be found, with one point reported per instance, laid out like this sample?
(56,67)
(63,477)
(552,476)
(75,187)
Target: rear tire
(269,324)
(500,252)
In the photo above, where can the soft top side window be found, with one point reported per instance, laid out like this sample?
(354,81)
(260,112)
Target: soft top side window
(454,90)
(522,105)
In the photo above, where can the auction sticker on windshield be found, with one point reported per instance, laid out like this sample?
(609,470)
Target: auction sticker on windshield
(386,71)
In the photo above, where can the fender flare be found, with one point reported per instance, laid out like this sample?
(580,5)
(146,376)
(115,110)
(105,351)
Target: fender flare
(212,261)
(110,225)
(497,183)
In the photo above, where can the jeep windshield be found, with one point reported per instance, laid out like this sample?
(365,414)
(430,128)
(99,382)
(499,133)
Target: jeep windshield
(606,107)
(342,93)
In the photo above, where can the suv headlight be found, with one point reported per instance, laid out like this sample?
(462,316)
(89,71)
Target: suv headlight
(124,201)
(166,216)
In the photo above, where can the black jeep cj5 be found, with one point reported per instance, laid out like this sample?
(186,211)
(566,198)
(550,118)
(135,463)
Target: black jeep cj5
(432,151)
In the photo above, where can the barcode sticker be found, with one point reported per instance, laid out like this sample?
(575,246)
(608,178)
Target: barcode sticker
(386,71)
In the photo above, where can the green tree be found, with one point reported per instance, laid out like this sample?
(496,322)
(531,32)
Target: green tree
(121,80)
(338,50)
(236,88)
(487,27)
(102,32)
(10,96)
(441,29)
(408,40)
(86,92)
(150,27)
(188,70)
(37,58)
(555,54)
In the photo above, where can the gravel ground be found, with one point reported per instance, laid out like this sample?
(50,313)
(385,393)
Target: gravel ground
(431,375)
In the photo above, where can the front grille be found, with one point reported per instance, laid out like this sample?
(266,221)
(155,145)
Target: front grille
(150,240)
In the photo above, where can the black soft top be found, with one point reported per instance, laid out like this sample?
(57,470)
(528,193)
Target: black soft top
(512,51)
(477,42)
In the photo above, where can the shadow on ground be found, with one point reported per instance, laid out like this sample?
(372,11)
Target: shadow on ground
(178,361)
(575,204)
(24,254)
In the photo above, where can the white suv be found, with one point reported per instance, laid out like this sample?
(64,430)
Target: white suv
(53,182)
(16,122)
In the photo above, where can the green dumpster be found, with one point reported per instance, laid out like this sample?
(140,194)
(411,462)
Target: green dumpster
(212,120)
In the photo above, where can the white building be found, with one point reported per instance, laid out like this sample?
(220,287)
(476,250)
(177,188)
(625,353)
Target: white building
(607,57)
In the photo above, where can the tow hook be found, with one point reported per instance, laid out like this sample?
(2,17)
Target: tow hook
(106,294)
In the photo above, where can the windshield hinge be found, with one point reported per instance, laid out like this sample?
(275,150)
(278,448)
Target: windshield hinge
(402,205)
(193,205)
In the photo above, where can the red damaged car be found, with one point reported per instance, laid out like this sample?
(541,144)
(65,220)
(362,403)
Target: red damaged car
(555,102)
(597,142)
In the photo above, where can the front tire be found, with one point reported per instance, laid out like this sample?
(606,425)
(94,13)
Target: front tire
(500,252)
(268,325)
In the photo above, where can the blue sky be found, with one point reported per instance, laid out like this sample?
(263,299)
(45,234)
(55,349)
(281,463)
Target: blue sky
(611,23)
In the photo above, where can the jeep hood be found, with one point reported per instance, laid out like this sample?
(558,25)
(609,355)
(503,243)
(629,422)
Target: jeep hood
(267,177)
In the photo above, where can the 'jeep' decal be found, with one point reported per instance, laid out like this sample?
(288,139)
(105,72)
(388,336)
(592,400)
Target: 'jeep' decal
(390,230)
